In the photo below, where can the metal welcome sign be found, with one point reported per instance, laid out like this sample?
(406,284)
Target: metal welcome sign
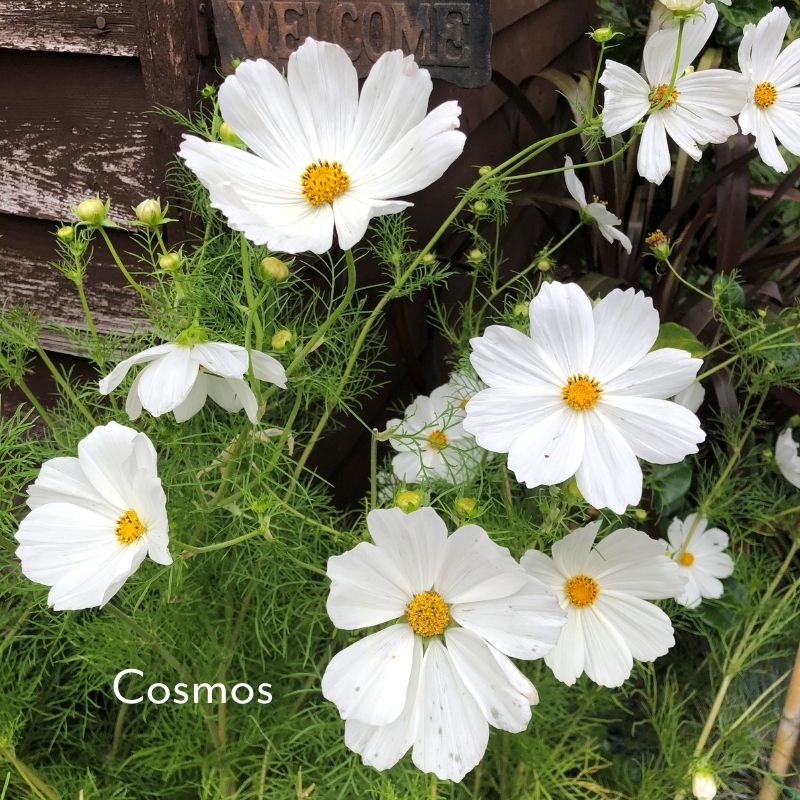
(451,39)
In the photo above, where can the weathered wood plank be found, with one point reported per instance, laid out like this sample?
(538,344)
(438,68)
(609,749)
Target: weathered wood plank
(71,126)
(26,248)
(507,12)
(102,27)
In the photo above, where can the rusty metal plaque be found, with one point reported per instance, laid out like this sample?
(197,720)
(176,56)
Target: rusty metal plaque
(451,39)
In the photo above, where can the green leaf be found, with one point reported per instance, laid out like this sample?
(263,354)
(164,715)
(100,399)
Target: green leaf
(727,292)
(670,483)
(670,334)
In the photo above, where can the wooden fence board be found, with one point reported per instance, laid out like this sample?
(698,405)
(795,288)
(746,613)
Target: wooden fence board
(102,27)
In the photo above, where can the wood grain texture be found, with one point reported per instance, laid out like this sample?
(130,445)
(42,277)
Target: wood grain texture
(69,128)
(102,27)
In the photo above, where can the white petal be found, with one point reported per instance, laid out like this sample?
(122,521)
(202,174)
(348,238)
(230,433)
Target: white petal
(474,568)
(369,680)
(505,357)
(626,98)
(786,72)
(133,405)
(609,475)
(383,746)
(765,142)
(787,457)
(117,375)
(786,126)
(574,186)
(551,451)
(562,325)
(503,705)
(352,215)
(660,374)
(414,542)
(567,658)
(194,401)
(525,624)
(233,395)
(267,368)
(419,158)
(225,360)
(453,733)
(654,162)
(718,91)
(366,588)
(255,101)
(571,553)
(645,628)
(625,328)
(61,480)
(165,384)
(769,35)
(393,100)
(659,52)
(408,467)
(324,87)
(658,431)
(607,659)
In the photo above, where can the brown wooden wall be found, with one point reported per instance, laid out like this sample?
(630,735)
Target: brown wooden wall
(79,77)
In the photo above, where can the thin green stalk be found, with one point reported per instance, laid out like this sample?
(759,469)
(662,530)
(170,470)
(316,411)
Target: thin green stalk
(253,318)
(122,268)
(687,283)
(64,384)
(29,775)
(87,312)
(666,98)
(373,469)
(596,81)
(208,548)
(32,399)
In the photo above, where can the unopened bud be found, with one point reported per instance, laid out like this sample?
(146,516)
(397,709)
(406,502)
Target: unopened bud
(170,262)
(273,269)
(66,233)
(466,507)
(520,310)
(428,258)
(480,207)
(484,170)
(476,256)
(281,338)
(682,6)
(208,91)
(544,263)
(704,784)
(408,500)
(602,35)
(228,135)
(639,514)
(149,212)
(92,211)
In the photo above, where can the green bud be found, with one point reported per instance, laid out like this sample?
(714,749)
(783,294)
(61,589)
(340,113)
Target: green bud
(572,489)
(208,91)
(480,207)
(66,233)
(228,135)
(466,507)
(170,262)
(639,514)
(484,170)
(602,35)
(149,212)
(428,258)
(545,263)
(189,337)
(520,310)
(476,256)
(273,269)
(408,500)
(281,338)
(92,211)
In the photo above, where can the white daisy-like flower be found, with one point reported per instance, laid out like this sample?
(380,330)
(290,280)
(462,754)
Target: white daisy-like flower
(582,395)
(605,591)
(179,378)
(596,210)
(772,107)
(94,518)
(699,552)
(787,457)
(699,109)
(321,157)
(692,396)
(431,441)
(437,677)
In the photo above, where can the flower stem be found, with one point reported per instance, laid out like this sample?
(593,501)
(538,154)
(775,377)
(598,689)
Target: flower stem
(122,268)
(64,384)
(29,775)
(223,545)
(32,399)
(666,98)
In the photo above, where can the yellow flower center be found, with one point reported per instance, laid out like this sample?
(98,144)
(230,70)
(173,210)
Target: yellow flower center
(581,392)
(581,590)
(428,614)
(324,181)
(657,95)
(765,94)
(686,559)
(656,238)
(130,527)
(437,440)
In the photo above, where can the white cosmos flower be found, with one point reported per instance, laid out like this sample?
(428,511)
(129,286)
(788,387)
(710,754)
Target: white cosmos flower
(94,518)
(692,396)
(605,592)
(439,675)
(699,552)
(179,378)
(772,107)
(699,110)
(582,395)
(320,155)
(596,210)
(431,441)
(787,457)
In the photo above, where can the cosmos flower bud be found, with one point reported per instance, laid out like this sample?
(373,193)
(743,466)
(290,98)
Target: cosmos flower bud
(484,170)
(428,258)
(170,262)
(149,212)
(544,263)
(480,207)
(281,338)
(92,211)
(682,5)
(466,507)
(408,500)
(602,35)
(476,256)
(228,135)
(273,269)
(66,233)
(704,785)
(520,310)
